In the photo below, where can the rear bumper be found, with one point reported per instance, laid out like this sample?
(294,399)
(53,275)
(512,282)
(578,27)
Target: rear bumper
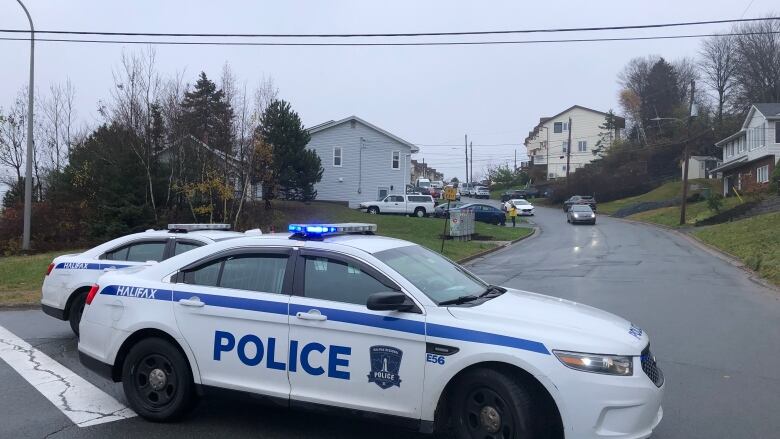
(103,369)
(54,312)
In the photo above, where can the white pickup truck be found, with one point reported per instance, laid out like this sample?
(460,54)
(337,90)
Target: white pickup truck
(417,205)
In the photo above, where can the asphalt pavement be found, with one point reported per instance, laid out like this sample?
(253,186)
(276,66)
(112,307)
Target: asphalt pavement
(714,330)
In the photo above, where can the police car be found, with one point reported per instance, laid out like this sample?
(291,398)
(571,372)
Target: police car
(69,277)
(330,316)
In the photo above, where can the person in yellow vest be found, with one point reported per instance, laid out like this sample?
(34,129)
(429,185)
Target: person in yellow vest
(512,213)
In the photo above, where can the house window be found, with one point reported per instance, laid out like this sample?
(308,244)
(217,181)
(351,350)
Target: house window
(582,145)
(762,135)
(558,127)
(396,160)
(337,156)
(740,146)
(762,174)
(563,168)
(777,132)
(565,146)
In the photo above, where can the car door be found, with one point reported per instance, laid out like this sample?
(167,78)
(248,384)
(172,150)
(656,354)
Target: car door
(231,310)
(395,204)
(348,355)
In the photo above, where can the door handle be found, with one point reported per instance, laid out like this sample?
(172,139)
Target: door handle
(312,314)
(193,301)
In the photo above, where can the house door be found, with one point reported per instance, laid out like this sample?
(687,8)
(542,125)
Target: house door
(382,193)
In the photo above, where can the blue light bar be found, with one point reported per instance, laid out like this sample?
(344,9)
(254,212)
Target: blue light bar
(319,230)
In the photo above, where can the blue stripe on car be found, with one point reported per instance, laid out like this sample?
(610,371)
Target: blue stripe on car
(352,317)
(87,266)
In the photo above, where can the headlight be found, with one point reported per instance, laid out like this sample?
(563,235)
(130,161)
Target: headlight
(606,364)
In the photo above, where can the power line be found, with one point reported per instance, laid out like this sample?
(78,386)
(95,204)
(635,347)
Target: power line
(395,34)
(420,43)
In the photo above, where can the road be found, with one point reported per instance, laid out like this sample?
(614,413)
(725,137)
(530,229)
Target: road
(714,331)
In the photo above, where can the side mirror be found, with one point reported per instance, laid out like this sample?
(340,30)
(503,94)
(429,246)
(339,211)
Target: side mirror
(390,301)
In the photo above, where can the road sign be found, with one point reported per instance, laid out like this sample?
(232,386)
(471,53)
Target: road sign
(450,193)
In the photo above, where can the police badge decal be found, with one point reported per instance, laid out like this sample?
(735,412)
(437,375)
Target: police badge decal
(385,364)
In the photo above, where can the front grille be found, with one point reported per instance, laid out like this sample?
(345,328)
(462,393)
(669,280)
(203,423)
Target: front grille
(651,368)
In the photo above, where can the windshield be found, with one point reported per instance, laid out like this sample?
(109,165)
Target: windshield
(437,277)
(519,202)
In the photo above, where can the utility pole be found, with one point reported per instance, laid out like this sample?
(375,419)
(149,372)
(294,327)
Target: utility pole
(466,147)
(471,169)
(568,155)
(686,157)
(515,171)
(28,167)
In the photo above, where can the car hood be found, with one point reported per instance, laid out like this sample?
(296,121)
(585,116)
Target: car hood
(558,323)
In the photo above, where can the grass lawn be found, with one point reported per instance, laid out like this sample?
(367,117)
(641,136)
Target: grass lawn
(664,192)
(755,241)
(21,276)
(670,216)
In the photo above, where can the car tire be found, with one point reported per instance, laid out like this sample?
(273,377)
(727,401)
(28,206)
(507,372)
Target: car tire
(419,212)
(373,210)
(157,381)
(488,403)
(76,311)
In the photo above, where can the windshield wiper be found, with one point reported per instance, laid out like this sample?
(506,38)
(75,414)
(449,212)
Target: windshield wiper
(459,300)
(493,290)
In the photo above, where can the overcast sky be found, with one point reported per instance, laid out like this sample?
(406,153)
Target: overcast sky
(426,95)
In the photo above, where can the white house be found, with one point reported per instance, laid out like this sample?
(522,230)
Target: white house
(699,166)
(361,161)
(585,133)
(751,154)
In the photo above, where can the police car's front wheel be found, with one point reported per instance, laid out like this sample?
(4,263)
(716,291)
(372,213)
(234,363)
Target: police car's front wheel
(488,404)
(157,381)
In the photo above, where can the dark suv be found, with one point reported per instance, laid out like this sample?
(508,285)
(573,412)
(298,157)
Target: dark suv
(580,199)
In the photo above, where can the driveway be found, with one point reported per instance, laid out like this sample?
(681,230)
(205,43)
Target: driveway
(715,332)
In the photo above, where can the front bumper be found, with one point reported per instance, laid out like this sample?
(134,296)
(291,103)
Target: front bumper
(603,406)
(583,220)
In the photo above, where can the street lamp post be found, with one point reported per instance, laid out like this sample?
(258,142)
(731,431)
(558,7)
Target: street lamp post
(28,167)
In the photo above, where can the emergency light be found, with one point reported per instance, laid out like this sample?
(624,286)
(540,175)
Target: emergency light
(319,230)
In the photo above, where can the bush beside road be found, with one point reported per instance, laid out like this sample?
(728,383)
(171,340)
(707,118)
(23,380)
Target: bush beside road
(667,191)
(21,276)
(755,241)
(670,216)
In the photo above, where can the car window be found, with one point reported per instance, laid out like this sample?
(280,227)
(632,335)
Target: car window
(146,251)
(206,275)
(329,279)
(254,272)
(119,254)
(581,208)
(183,247)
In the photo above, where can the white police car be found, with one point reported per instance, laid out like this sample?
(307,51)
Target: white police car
(69,277)
(372,325)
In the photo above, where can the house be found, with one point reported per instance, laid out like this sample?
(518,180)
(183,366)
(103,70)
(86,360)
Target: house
(360,161)
(699,166)
(751,154)
(585,133)
(423,170)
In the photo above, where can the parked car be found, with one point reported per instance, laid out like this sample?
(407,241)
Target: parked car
(441,210)
(467,189)
(524,207)
(486,214)
(417,205)
(512,195)
(581,213)
(481,192)
(434,192)
(580,199)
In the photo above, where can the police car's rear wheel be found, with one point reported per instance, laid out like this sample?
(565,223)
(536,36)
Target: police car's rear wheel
(487,404)
(157,380)
(76,310)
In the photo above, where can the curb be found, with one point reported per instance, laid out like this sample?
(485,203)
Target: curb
(710,249)
(19,306)
(535,232)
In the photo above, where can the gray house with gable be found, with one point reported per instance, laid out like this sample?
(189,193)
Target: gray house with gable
(361,161)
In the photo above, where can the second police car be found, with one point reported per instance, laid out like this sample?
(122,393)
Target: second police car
(331,317)
(69,277)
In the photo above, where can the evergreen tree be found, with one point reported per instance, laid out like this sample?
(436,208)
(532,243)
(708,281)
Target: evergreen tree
(606,134)
(207,115)
(662,96)
(295,169)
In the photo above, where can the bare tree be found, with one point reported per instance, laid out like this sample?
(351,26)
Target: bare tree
(13,135)
(719,67)
(57,118)
(758,67)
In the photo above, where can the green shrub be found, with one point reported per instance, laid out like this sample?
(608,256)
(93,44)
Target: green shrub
(715,202)
(776,178)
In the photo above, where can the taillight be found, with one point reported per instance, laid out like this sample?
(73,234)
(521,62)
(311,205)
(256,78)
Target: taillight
(51,267)
(92,293)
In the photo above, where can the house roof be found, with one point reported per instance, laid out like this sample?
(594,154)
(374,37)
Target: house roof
(769,110)
(621,122)
(332,123)
(703,157)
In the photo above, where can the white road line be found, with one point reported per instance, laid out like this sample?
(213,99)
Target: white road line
(77,398)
